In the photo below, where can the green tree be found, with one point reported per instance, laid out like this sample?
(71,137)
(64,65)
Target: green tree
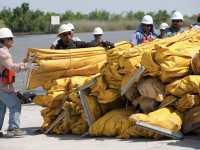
(161,16)
(139,15)
(25,7)
(129,15)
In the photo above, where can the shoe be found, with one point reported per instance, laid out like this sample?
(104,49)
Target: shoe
(16,132)
(1,134)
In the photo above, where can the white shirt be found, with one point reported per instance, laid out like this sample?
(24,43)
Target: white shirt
(56,41)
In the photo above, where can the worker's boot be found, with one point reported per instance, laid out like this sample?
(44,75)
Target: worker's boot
(1,134)
(16,132)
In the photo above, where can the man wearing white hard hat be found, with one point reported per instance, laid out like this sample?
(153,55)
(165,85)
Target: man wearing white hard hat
(146,33)
(8,98)
(177,22)
(66,42)
(53,45)
(162,28)
(98,32)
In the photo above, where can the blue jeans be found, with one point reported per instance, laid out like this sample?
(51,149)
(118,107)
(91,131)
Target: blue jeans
(11,101)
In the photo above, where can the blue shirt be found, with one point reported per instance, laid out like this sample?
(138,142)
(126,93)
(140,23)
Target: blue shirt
(196,25)
(137,37)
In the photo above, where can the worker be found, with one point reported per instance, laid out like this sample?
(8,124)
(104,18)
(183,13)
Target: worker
(197,24)
(162,28)
(146,32)
(53,45)
(177,22)
(98,32)
(66,42)
(8,98)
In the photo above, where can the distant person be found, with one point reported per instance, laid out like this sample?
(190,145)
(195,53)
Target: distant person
(162,28)
(177,22)
(98,33)
(197,24)
(66,42)
(53,45)
(146,33)
(8,98)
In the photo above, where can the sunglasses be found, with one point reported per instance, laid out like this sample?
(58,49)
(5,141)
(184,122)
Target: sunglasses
(66,34)
(146,25)
(10,38)
(72,29)
(177,21)
(96,35)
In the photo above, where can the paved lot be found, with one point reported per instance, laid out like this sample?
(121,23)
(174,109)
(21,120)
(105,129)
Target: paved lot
(31,121)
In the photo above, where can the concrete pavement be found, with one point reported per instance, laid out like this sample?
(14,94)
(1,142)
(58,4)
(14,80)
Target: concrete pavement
(31,120)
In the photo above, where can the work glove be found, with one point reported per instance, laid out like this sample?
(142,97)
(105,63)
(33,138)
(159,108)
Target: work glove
(31,65)
(107,44)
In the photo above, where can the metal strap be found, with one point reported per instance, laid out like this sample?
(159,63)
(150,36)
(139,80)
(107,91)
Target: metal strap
(85,86)
(56,121)
(159,130)
(28,73)
(175,99)
(85,107)
(66,99)
(132,80)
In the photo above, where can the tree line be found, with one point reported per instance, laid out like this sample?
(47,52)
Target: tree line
(22,19)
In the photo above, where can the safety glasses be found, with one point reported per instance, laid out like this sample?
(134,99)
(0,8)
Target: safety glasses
(177,21)
(10,38)
(146,25)
(96,35)
(66,34)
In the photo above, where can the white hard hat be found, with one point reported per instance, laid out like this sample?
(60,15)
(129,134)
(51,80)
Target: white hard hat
(70,25)
(163,26)
(63,28)
(177,15)
(147,19)
(5,33)
(98,30)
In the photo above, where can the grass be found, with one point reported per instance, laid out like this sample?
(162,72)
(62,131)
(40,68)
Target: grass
(89,25)
(2,24)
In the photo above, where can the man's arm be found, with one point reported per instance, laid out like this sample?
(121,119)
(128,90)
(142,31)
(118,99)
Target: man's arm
(134,39)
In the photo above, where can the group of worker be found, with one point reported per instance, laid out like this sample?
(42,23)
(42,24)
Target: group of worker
(66,40)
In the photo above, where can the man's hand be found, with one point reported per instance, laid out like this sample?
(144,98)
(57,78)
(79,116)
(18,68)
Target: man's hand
(31,65)
(107,44)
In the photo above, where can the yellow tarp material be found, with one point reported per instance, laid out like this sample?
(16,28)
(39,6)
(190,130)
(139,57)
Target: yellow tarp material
(167,118)
(56,85)
(47,115)
(53,99)
(55,64)
(114,54)
(187,85)
(63,127)
(80,127)
(184,103)
(76,105)
(171,60)
(152,88)
(113,123)
(74,62)
(111,76)
(108,96)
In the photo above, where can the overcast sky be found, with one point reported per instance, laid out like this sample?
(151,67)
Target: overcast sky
(186,7)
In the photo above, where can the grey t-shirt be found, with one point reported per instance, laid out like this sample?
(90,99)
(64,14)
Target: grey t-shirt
(170,32)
